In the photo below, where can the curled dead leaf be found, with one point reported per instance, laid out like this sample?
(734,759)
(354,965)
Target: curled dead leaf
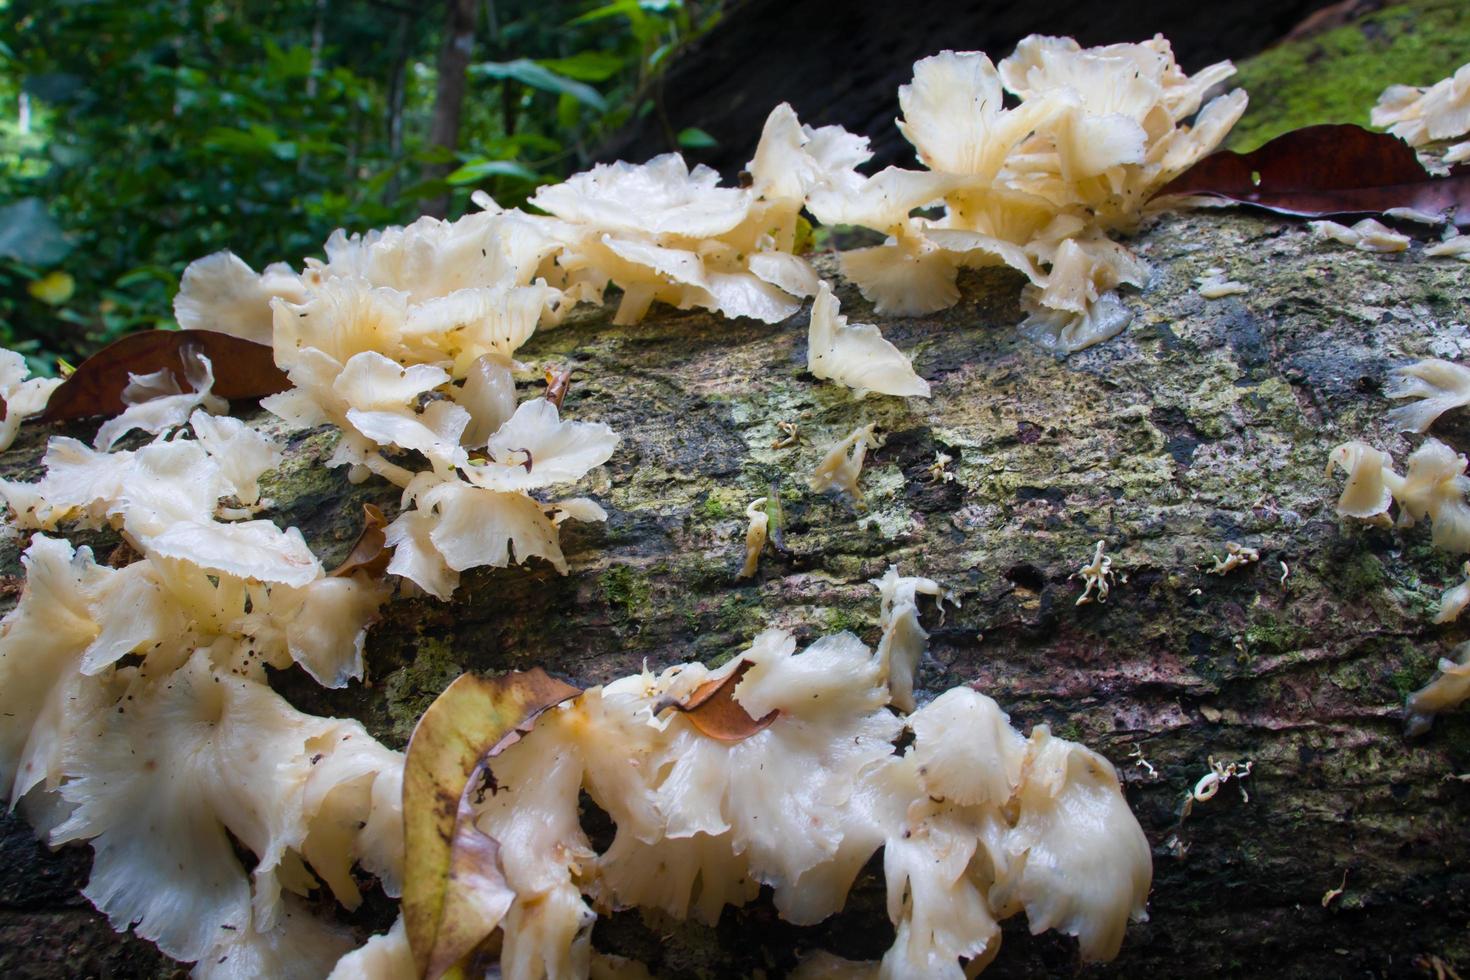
(558,382)
(123,555)
(450,891)
(369,552)
(476,894)
(242,369)
(1330,170)
(713,710)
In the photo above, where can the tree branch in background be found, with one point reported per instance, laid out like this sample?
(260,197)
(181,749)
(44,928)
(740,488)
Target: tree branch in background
(397,85)
(454,58)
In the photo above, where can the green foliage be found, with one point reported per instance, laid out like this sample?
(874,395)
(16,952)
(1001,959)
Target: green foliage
(694,138)
(158,131)
(538,76)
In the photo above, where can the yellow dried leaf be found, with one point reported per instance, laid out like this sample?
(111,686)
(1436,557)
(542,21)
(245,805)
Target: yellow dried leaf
(475,719)
(53,289)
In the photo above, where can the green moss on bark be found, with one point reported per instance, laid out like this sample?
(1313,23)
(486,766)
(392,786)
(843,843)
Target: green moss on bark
(1336,77)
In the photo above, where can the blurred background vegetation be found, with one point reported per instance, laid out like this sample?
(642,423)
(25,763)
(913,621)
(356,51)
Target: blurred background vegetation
(138,135)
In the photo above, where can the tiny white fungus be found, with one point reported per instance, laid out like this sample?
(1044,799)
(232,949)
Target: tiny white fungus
(1096,575)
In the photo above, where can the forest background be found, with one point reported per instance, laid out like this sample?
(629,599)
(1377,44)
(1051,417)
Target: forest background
(138,135)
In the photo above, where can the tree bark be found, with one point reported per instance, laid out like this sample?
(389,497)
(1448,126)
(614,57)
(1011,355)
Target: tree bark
(454,58)
(397,87)
(1205,422)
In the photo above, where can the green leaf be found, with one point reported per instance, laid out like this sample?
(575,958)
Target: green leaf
(631,9)
(530,74)
(694,138)
(518,145)
(292,62)
(29,234)
(256,141)
(585,66)
(477,170)
(147,273)
(660,53)
(567,112)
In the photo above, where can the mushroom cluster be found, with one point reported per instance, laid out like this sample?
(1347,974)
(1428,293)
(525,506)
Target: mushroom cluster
(136,717)
(404,340)
(135,711)
(1434,486)
(662,232)
(976,822)
(1424,115)
(1037,187)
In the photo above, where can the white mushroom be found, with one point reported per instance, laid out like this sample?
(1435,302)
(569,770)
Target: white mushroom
(856,355)
(1367,235)
(186,758)
(1447,690)
(22,396)
(1096,575)
(904,639)
(755,536)
(155,403)
(1437,385)
(1434,487)
(842,464)
(1422,115)
(221,292)
(1367,495)
(1455,599)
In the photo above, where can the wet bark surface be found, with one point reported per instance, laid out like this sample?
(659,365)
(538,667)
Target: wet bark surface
(1206,422)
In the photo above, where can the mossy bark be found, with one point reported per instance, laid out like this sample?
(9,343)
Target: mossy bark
(1336,75)
(1205,422)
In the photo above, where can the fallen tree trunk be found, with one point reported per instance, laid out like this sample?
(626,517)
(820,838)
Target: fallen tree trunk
(1205,422)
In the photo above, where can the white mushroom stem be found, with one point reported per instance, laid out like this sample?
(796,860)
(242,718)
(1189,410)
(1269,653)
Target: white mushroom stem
(755,537)
(1096,574)
(843,463)
(392,472)
(1236,555)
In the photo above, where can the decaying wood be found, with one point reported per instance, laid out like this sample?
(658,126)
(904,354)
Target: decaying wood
(1206,422)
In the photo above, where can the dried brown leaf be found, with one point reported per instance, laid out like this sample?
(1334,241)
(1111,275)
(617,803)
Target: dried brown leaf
(1331,170)
(558,382)
(476,894)
(713,710)
(369,553)
(475,719)
(242,369)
